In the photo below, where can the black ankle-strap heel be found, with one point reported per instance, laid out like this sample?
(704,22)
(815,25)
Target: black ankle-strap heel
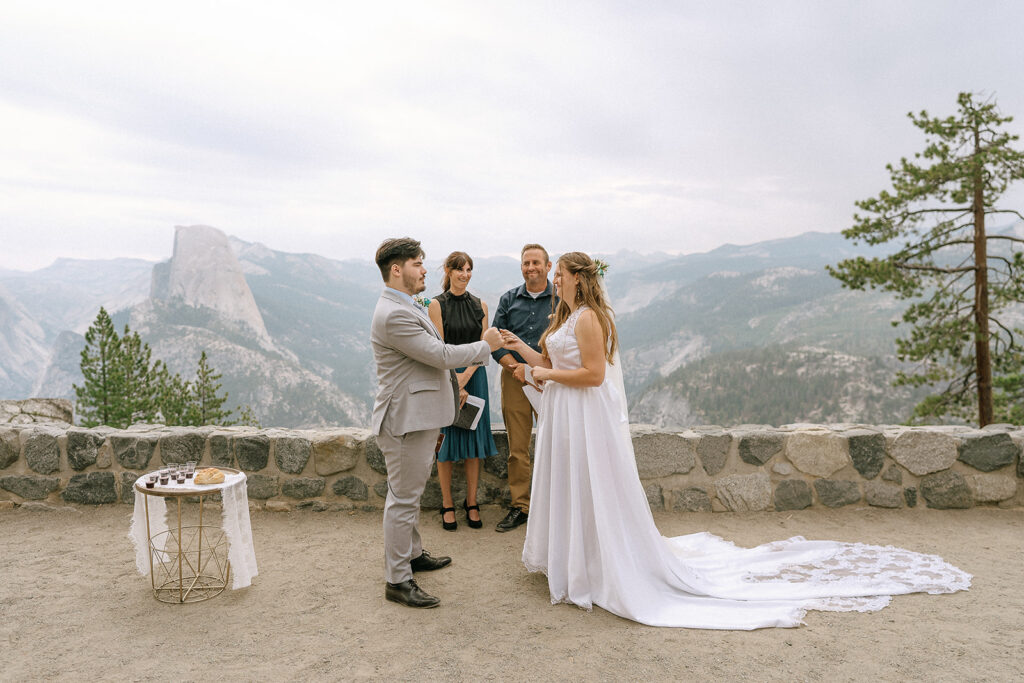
(473,524)
(448,526)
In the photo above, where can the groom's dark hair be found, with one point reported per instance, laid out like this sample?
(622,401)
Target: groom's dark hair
(396,250)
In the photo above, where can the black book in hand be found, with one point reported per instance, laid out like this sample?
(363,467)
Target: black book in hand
(469,416)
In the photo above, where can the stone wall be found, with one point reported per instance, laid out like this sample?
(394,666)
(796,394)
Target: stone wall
(35,410)
(749,467)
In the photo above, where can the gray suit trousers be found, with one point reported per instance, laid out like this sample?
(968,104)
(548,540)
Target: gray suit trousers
(409,458)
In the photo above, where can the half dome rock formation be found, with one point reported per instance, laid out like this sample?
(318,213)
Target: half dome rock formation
(204,273)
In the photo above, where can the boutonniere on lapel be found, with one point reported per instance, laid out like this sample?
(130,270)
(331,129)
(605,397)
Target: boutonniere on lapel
(422,301)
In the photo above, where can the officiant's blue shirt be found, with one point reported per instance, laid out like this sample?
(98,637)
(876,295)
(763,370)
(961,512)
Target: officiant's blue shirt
(520,313)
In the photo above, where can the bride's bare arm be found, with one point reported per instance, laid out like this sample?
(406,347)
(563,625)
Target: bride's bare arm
(592,343)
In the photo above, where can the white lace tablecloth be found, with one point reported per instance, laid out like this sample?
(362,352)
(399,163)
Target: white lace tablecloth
(235,523)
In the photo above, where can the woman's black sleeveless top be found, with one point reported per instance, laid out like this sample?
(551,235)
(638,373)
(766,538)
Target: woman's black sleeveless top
(462,316)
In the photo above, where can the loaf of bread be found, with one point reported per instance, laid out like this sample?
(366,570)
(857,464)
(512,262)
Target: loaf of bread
(209,475)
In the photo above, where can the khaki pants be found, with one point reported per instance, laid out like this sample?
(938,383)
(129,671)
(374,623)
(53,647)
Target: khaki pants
(518,415)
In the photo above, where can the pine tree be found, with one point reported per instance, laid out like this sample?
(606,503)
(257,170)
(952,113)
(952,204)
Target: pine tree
(959,275)
(206,406)
(140,377)
(99,397)
(1008,397)
(247,417)
(174,396)
(124,384)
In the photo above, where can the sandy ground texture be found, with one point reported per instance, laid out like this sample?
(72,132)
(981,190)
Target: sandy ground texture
(73,607)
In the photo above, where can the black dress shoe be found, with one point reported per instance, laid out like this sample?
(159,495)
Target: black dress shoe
(514,518)
(409,594)
(426,563)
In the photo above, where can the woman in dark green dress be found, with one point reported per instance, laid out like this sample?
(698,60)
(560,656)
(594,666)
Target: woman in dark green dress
(461,318)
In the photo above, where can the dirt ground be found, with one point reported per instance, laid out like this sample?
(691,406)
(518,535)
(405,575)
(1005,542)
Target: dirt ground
(72,606)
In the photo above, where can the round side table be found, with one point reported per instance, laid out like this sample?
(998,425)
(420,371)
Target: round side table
(188,562)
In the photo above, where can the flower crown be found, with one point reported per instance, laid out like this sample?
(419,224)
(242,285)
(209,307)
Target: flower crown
(601,266)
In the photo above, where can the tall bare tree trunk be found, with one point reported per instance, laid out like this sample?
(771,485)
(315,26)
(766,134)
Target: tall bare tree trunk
(981,341)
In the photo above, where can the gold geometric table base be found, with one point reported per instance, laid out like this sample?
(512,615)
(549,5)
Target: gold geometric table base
(186,563)
(199,571)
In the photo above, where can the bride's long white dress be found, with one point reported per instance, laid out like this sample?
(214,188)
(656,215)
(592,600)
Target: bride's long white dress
(591,532)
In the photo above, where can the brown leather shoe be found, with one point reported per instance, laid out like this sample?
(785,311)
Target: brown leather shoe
(409,594)
(428,563)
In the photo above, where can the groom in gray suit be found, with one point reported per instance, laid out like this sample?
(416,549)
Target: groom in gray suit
(417,394)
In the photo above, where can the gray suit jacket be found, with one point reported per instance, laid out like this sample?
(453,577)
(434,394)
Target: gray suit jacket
(416,389)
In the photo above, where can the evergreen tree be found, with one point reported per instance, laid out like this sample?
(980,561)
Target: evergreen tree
(1008,398)
(174,396)
(123,384)
(140,381)
(247,417)
(959,275)
(206,406)
(98,399)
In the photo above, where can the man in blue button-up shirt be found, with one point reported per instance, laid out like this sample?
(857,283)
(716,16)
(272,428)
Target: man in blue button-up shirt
(523,310)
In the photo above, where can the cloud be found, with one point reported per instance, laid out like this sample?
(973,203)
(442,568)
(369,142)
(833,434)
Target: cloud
(325,126)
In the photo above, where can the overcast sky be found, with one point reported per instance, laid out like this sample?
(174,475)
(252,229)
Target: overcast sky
(326,126)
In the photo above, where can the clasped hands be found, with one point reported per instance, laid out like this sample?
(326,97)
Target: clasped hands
(497,339)
(514,343)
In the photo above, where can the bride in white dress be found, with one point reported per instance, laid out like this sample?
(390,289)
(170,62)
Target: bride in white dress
(592,533)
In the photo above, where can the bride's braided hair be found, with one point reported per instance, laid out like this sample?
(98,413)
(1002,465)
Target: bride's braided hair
(589,292)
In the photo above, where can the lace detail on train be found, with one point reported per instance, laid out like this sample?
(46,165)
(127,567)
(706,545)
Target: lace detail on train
(887,569)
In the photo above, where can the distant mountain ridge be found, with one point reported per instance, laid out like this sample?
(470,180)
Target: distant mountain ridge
(290,331)
(66,294)
(22,345)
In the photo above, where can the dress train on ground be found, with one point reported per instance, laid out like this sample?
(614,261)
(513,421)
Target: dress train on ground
(592,533)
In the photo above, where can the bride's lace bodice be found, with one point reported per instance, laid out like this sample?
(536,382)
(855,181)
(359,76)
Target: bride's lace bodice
(563,347)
